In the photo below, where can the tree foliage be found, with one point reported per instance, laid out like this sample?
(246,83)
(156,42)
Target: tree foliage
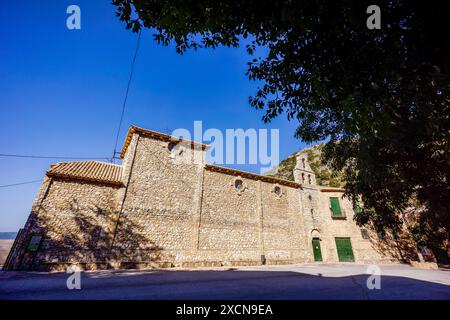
(379,97)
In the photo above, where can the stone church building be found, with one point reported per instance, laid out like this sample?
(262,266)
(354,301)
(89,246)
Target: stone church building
(154,211)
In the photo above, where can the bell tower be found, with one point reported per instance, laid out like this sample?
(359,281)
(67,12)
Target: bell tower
(302,172)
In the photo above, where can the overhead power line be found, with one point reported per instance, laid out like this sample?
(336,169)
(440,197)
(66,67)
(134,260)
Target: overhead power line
(84,158)
(51,157)
(20,183)
(126,93)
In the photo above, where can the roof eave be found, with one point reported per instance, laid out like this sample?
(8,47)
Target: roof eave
(253,176)
(84,179)
(158,135)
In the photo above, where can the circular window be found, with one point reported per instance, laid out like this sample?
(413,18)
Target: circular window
(171,145)
(277,190)
(238,184)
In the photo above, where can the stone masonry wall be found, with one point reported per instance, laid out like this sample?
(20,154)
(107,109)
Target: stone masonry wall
(331,228)
(182,214)
(242,227)
(283,237)
(75,219)
(229,221)
(175,213)
(319,223)
(156,220)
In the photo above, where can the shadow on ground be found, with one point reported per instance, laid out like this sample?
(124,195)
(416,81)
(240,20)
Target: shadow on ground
(224,284)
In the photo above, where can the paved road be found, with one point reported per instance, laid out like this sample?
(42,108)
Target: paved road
(309,281)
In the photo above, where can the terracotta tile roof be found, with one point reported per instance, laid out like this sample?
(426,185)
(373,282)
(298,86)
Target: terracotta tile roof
(156,135)
(253,176)
(92,171)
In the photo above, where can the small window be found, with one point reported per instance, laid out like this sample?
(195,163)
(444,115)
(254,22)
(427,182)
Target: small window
(365,233)
(238,184)
(303,163)
(356,207)
(309,179)
(171,145)
(310,197)
(303,178)
(395,234)
(277,190)
(312,213)
(35,242)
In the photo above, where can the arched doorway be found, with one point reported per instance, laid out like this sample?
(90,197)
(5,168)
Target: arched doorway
(317,251)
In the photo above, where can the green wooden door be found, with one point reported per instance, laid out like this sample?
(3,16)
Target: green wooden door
(316,249)
(344,250)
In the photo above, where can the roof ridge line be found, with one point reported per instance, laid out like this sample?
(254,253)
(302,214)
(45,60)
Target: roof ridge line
(162,136)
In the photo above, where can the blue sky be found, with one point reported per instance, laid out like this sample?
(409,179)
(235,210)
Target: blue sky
(61,92)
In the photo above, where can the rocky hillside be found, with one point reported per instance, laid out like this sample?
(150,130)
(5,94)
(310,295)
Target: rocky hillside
(324,176)
(285,170)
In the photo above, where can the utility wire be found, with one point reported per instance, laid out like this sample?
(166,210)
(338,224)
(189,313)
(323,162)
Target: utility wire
(79,158)
(51,157)
(20,183)
(126,93)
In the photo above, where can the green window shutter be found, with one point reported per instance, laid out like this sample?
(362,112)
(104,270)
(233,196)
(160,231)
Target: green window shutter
(35,242)
(356,207)
(335,208)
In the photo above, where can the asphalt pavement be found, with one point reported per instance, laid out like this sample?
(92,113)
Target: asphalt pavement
(286,282)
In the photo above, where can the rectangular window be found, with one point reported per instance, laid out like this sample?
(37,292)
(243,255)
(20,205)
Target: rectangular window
(356,207)
(35,242)
(365,233)
(381,235)
(335,208)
